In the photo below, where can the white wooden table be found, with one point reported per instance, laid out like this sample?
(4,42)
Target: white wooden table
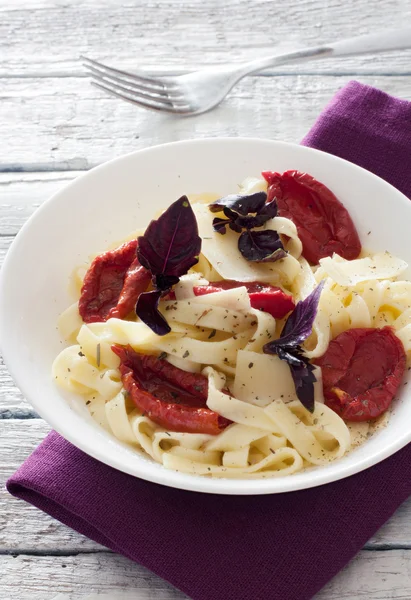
(54,125)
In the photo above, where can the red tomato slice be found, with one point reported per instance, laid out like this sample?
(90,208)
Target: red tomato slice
(362,371)
(262,296)
(112,284)
(169,396)
(323,223)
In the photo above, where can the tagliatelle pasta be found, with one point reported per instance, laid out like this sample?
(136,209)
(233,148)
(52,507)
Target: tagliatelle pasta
(220,336)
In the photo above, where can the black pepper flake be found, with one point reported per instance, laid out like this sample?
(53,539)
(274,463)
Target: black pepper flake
(88,402)
(162,356)
(81,354)
(253,323)
(250,365)
(68,369)
(166,432)
(186,353)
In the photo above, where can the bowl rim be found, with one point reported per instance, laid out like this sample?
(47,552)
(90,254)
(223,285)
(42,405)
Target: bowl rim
(165,476)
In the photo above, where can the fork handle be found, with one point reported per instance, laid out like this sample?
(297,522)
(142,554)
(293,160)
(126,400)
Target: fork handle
(373,43)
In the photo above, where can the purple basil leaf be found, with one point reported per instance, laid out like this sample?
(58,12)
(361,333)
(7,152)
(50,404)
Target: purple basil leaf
(302,372)
(297,328)
(304,380)
(269,209)
(261,246)
(276,255)
(251,222)
(147,310)
(299,324)
(220,224)
(230,214)
(242,204)
(235,227)
(164,282)
(171,244)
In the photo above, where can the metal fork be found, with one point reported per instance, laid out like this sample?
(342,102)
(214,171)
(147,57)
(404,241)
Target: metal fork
(201,91)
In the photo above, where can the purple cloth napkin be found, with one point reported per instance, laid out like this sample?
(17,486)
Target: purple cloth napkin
(278,547)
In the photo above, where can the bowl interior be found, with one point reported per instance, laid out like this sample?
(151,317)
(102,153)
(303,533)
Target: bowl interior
(108,203)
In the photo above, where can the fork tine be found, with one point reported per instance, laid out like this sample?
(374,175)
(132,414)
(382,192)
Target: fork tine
(149,81)
(129,86)
(134,98)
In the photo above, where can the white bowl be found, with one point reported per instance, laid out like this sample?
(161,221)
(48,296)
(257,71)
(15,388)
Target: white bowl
(110,201)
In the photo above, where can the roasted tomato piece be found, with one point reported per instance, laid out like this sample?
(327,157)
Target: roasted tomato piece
(112,284)
(362,370)
(323,223)
(262,296)
(169,396)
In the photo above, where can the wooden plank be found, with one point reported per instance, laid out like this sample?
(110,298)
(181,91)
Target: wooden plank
(188,32)
(75,577)
(25,529)
(72,126)
(371,575)
(22,193)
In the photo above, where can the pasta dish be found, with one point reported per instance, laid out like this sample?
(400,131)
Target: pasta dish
(244,336)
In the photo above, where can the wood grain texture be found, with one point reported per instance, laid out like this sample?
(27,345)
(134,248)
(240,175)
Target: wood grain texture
(67,124)
(373,576)
(47,37)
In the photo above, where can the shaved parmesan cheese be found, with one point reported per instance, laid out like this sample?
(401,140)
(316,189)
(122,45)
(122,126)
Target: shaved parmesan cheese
(251,185)
(234,299)
(351,272)
(223,253)
(260,379)
(234,409)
